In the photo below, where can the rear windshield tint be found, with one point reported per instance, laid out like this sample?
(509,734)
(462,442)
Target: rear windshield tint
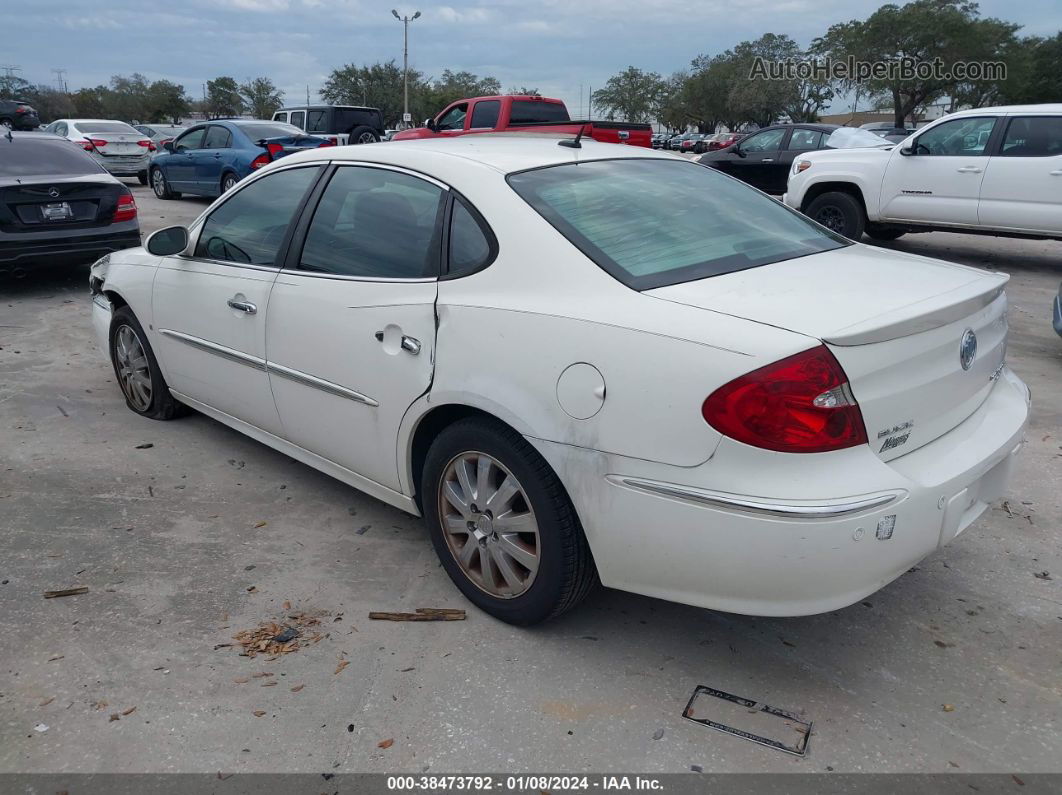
(26,157)
(105,127)
(256,132)
(526,111)
(652,223)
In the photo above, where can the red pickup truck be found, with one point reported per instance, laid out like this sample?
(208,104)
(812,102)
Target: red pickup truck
(524,114)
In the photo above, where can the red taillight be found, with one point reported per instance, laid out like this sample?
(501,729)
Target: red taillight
(801,404)
(126,209)
(275,150)
(261,160)
(86,145)
(328,142)
(21,109)
(97,142)
(146,143)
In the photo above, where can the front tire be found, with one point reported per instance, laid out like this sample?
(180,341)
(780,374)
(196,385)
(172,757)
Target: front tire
(503,525)
(137,370)
(839,212)
(161,186)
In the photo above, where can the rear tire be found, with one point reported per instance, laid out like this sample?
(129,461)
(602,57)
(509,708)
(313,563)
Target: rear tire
(137,370)
(228,182)
(143,177)
(839,212)
(161,186)
(528,559)
(363,135)
(884,233)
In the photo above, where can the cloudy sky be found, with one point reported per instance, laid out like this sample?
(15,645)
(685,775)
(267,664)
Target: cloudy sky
(554,45)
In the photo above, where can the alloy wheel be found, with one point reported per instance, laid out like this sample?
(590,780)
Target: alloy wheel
(228,184)
(489,525)
(158,183)
(832,218)
(366,138)
(131,365)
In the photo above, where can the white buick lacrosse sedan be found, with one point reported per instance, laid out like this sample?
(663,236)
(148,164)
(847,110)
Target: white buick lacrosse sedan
(580,363)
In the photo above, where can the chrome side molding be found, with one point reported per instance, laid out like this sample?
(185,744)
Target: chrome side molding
(218,350)
(733,502)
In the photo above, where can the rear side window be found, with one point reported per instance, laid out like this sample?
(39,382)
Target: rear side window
(803,140)
(217,138)
(527,111)
(1033,136)
(23,157)
(316,121)
(485,114)
(472,244)
(250,226)
(375,223)
(652,223)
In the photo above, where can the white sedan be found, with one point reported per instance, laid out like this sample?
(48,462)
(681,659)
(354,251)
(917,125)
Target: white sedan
(583,361)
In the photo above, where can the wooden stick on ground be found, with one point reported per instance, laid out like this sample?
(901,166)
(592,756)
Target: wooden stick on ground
(66,592)
(424,614)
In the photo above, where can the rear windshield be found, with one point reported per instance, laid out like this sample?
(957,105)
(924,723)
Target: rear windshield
(527,111)
(276,129)
(652,223)
(106,127)
(346,119)
(27,157)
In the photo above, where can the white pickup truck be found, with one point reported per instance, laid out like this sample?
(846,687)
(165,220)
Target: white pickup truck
(992,171)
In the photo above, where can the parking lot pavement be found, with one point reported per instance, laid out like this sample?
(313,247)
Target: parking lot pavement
(187,532)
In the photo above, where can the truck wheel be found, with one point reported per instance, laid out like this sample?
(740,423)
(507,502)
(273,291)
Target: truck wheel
(363,135)
(884,233)
(839,212)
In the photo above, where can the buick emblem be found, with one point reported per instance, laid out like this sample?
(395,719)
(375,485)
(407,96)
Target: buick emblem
(967,348)
(53,192)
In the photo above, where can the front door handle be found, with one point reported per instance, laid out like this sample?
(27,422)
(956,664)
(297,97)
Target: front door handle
(970,170)
(242,306)
(1057,172)
(767,160)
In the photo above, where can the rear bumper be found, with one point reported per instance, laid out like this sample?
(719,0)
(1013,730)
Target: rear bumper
(42,249)
(128,168)
(837,526)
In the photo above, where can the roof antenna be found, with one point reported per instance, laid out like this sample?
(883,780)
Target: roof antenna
(574,143)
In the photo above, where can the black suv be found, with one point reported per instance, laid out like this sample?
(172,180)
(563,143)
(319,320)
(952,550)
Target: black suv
(345,124)
(18,115)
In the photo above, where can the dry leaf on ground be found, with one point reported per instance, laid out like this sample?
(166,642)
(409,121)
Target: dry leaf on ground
(297,688)
(259,713)
(342,664)
(385,743)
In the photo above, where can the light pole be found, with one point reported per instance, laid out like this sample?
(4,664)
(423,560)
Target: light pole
(406,118)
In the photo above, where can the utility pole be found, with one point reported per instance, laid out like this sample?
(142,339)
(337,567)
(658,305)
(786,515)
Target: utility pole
(406,118)
(60,81)
(307,93)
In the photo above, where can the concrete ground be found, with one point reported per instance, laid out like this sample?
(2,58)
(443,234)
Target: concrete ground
(955,667)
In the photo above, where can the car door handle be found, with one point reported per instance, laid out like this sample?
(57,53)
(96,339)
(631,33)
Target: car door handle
(242,306)
(767,160)
(409,344)
(1057,172)
(970,170)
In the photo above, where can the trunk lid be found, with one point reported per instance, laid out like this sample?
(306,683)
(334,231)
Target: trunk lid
(118,144)
(282,145)
(36,205)
(896,323)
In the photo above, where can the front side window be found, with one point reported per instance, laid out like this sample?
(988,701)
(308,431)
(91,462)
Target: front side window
(652,223)
(956,138)
(316,121)
(250,226)
(375,223)
(803,140)
(190,140)
(485,114)
(1033,136)
(454,118)
(217,137)
(766,141)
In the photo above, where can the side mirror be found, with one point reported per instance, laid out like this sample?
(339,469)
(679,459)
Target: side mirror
(431,125)
(168,146)
(737,150)
(167,242)
(907,151)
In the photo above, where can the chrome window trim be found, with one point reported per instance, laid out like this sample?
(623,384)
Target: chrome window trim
(306,379)
(346,278)
(733,502)
(218,350)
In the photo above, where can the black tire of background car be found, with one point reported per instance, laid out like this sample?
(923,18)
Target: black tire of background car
(165,193)
(143,177)
(358,132)
(883,232)
(6,122)
(847,206)
(566,571)
(163,405)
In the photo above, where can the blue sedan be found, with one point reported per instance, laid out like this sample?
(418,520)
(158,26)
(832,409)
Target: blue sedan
(209,158)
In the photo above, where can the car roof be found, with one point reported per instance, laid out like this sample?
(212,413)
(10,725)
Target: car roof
(325,107)
(1052,107)
(501,152)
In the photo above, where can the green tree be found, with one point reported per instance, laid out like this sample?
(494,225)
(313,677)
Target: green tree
(13,87)
(49,103)
(263,98)
(377,85)
(165,102)
(632,94)
(673,103)
(1033,68)
(90,103)
(453,86)
(127,98)
(523,91)
(923,30)
(223,98)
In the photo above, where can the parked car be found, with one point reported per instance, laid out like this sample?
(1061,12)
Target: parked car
(692,143)
(658,140)
(675,144)
(118,147)
(523,114)
(693,391)
(991,170)
(389,134)
(58,205)
(723,140)
(210,158)
(160,133)
(764,158)
(341,124)
(18,114)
